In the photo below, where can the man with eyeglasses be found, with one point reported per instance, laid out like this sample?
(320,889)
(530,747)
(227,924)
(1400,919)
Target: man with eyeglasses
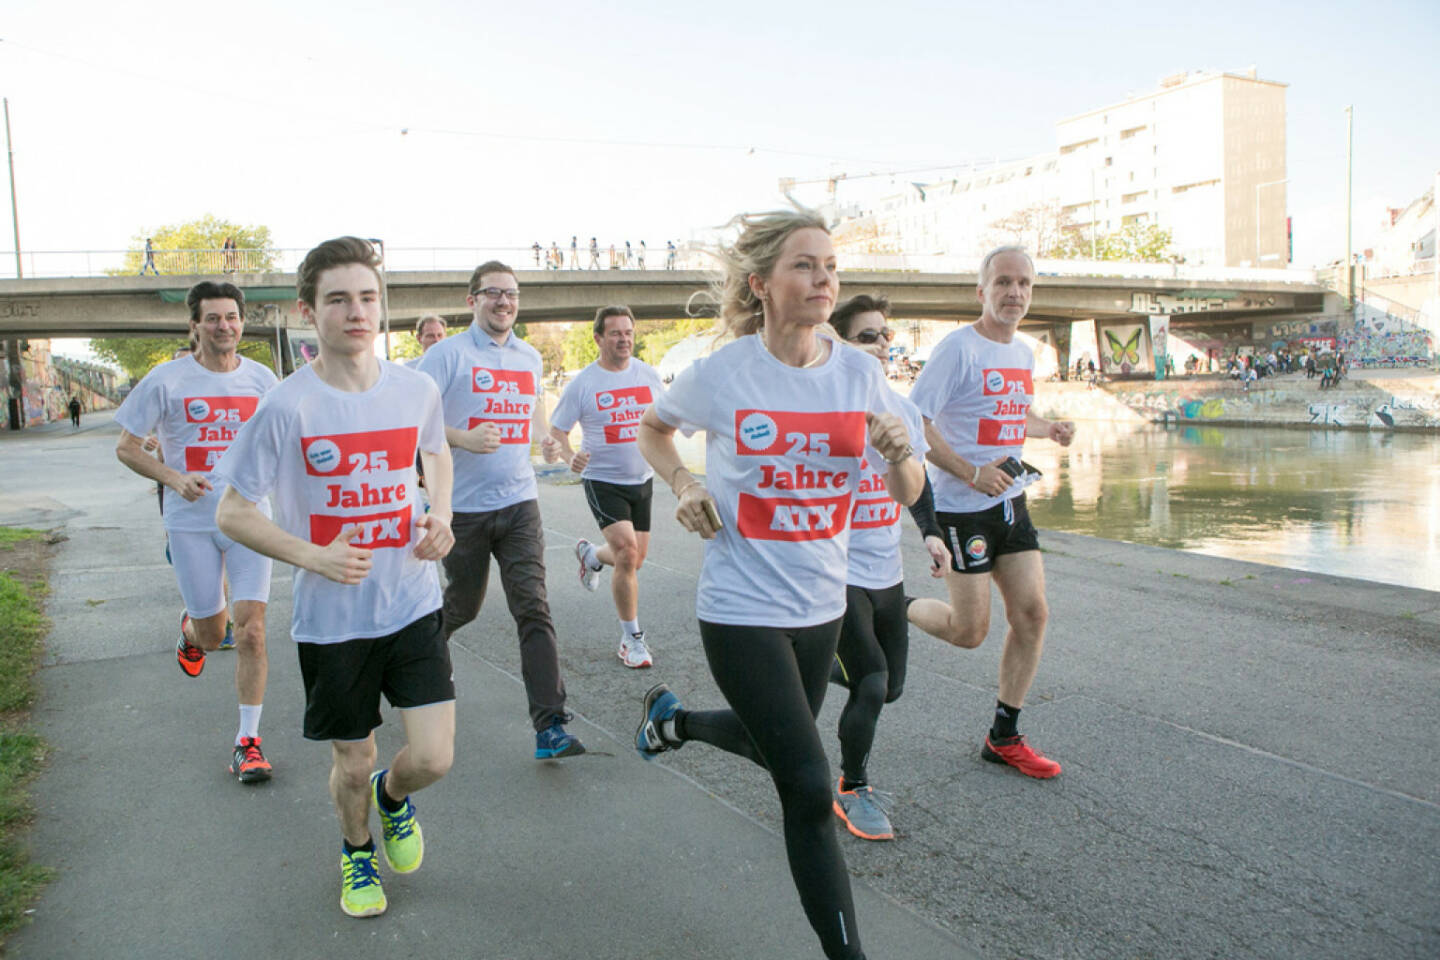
(491,383)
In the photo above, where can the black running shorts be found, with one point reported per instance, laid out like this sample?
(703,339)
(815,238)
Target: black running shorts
(343,681)
(976,539)
(614,502)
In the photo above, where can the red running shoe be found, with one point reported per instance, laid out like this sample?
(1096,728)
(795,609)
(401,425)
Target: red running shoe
(1018,754)
(248,763)
(190,657)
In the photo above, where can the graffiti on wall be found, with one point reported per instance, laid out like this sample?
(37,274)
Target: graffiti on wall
(1124,348)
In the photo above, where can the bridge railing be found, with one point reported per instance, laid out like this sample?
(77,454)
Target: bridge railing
(99,263)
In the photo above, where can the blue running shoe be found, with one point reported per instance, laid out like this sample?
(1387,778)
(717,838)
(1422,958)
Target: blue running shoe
(554,742)
(660,705)
(229,642)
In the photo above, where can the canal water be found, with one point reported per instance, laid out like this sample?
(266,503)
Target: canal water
(1350,503)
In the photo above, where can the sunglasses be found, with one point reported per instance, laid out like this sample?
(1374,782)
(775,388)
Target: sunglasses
(871,336)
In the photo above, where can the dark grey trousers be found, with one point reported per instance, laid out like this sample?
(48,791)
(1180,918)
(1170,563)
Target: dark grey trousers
(514,536)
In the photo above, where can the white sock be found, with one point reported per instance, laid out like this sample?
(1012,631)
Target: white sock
(631,627)
(249,721)
(592,558)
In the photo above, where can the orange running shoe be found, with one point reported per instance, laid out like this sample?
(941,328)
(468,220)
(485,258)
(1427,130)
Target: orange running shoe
(248,763)
(1018,754)
(191,657)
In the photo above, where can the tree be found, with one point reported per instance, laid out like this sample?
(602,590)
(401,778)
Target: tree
(658,339)
(201,242)
(1041,228)
(579,346)
(1144,243)
(138,355)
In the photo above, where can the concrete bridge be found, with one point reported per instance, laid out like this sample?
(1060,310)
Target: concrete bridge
(155,307)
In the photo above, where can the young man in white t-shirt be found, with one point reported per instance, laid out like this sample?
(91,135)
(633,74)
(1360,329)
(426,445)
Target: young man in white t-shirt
(336,444)
(975,393)
(491,383)
(607,399)
(195,405)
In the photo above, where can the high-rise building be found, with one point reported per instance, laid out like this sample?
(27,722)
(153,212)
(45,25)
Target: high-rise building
(1202,156)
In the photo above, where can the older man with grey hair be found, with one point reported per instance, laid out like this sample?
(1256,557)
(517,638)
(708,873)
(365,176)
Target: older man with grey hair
(430,329)
(976,393)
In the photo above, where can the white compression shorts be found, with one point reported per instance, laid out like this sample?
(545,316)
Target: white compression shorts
(204,559)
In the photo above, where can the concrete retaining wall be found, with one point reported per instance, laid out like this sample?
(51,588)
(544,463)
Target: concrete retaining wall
(1380,403)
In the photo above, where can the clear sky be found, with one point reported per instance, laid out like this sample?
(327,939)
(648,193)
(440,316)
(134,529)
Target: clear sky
(536,121)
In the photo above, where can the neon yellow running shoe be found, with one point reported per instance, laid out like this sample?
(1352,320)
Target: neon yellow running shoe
(402,841)
(360,892)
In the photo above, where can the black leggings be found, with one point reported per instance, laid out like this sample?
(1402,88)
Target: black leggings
(874,647)
(774,680)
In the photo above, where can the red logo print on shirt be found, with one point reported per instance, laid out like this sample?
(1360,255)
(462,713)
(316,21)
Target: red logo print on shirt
(782,518)
(872,511)
(219,418)
(778,433)
(341,454)
(508,393)
(1005,425)
(1004,380)
(623,409)
(376,529)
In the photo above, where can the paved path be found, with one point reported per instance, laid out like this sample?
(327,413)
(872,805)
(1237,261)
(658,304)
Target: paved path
(1250,759)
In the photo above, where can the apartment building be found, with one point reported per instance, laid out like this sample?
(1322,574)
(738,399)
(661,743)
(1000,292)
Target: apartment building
(1202,155)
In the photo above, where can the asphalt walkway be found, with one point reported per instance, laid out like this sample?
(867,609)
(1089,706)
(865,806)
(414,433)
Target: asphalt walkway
(1250,760)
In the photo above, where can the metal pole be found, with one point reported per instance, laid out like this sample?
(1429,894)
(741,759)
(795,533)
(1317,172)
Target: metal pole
(384,296)
(1435,269)
(14,207)
(15,372)
(1349,165)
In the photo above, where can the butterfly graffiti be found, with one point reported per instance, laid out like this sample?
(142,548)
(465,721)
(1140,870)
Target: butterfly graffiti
(1126,354)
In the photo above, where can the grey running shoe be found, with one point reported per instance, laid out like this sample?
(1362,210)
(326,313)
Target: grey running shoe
(863,810)
(633,652)
(589,576)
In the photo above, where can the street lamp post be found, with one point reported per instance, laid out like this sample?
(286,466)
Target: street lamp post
(1258,188)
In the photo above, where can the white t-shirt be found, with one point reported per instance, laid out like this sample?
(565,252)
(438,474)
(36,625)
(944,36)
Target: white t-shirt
(783,448)
(481,381)
(977,393)
(196,413)
(608,405)
(875,516)
(334,459)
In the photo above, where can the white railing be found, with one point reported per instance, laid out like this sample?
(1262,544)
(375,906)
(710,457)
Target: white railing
(99,263)
(1125,269)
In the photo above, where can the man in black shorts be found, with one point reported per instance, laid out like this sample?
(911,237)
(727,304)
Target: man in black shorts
(975,393)
(607,399)
(336,444)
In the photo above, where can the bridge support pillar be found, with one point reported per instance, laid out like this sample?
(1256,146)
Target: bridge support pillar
(15,377)
(1060,336)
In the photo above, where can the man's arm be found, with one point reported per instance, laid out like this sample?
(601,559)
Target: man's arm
(241,521)
(987,478)
(130,450)
(482,438)
(1061,431)
(439,482)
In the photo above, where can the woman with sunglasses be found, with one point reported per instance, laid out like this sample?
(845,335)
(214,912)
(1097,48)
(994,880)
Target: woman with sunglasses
(789,418)
(871,657)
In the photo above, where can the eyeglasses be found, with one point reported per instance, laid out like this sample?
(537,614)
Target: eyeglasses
(870,336)
(495,293)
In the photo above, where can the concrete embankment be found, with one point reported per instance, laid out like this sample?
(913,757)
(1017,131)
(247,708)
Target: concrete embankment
(1386,400)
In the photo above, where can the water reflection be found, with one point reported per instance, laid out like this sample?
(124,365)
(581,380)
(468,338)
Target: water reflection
(1345,502)
(1356,504)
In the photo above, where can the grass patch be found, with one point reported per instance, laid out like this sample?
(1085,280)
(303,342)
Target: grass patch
(22,752)
(1227,582)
